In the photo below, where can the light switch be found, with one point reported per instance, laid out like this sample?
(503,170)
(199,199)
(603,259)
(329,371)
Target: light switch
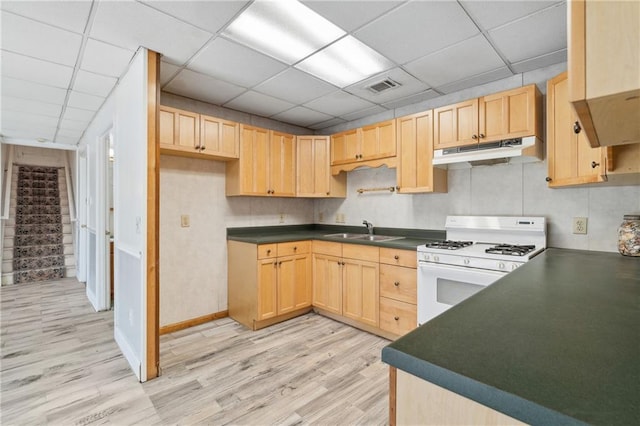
(185,221)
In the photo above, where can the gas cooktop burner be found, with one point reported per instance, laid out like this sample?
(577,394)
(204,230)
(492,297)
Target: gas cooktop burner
(449,245)
(511,250)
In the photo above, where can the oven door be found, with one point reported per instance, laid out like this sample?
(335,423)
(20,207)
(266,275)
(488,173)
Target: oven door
(442,286)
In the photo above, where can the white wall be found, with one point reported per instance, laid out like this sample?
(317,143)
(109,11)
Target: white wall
(193,260)
(512,190)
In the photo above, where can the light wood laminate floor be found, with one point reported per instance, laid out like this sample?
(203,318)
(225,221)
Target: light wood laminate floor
(60,365)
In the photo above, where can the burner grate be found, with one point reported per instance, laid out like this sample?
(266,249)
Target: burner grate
(511,250)
(448,244)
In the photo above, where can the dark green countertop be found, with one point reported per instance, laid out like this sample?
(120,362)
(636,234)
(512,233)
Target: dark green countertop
(281,234)
(556,341)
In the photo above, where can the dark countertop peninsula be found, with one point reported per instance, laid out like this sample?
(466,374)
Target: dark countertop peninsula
(556,341)
(412,238)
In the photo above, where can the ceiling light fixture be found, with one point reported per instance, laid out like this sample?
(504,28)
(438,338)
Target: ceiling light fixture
(41,140)
(286,29)
(345,62)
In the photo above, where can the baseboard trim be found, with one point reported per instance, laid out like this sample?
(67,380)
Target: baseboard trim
(170,328)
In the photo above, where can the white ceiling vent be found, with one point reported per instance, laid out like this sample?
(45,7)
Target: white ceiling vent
(383,85)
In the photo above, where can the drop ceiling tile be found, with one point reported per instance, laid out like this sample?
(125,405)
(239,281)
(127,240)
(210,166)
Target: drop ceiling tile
(235,64)
(491,14)
(105,59)
(327,124)
(73,125)
(85,101)
(301,116)
(413,99)
(70,133)
(259,104)
(533,36)
(39,40)
(295,86)
(408,86)
(33,91)
(35,70)
(28,131)
(203,87)
(67,140)
(28,106)
(460,61)
(377,109)
(78,114)
(476,80)
(133,24)
(350,15)
(541,61)
(94,84)
(167,72)
(338,103)
(19,119)
(69,15)
(210,16)
(419,28)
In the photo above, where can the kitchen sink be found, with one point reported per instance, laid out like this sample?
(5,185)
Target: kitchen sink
(366,237)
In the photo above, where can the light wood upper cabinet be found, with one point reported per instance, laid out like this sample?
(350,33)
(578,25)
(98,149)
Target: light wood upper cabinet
(189,134)
(570,157)
(267,164)
(505,115)
(314,178)
(415,171)
(372,145)
(604,69)
(456,125)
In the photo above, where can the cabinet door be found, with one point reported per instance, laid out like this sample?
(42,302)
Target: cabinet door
(327,283)
(294,283)
(456,125)
(345,147)
(167,126)
(282,164)
(313,165)
(378,141)
(508,114)
(267,288)
(360,291)
(219,137)
(415,171)
(254,158)
(570,155)
(179,129)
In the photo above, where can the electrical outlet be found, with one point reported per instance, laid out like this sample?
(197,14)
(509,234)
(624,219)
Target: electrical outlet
(185,221)
(281,217)
(579,225)
(321,217)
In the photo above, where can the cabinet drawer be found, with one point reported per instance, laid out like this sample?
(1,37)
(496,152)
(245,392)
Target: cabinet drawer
(327,247)
(399,283)
(397,317)
(267,250)
(398,257)
(293,247)
(361,252)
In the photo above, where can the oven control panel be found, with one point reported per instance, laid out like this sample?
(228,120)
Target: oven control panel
(469,261)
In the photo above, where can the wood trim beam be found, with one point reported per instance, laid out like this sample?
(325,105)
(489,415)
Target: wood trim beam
(170,328)
(153,215)
(393,380)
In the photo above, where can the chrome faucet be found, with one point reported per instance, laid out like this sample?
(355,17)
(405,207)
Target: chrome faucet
(369,226)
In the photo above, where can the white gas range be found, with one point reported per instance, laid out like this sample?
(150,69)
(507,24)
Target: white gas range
(477,252)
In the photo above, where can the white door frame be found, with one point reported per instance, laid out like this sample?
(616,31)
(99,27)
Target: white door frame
(81,209)
(103,296)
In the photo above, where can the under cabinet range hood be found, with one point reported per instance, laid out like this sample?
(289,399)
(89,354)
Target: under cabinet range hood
(522,150)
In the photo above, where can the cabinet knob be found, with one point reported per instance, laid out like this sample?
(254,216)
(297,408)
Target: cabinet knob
(268,252)
(396,257)
(397,188)
(356,156)
(396,318)
(295,248)
(397,283)
(275,264)
(328,193)
(482,135)
(203,148)
(548,179)
(197,147)
(474,137)
(594,164)
(576,128)
(279,263)
(343,263)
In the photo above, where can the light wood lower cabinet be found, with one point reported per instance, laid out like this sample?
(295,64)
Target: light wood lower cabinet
(278,288)
(398,291)
(360,291)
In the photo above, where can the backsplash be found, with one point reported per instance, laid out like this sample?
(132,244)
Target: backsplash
(510,190)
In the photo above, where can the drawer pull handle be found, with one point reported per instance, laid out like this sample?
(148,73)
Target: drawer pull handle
(396,257)
(396,318)
(397,283)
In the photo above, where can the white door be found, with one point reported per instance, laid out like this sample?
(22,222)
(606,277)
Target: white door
(81,209)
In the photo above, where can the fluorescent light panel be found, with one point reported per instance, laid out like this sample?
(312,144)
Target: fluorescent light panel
(345,62)
(284,29)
